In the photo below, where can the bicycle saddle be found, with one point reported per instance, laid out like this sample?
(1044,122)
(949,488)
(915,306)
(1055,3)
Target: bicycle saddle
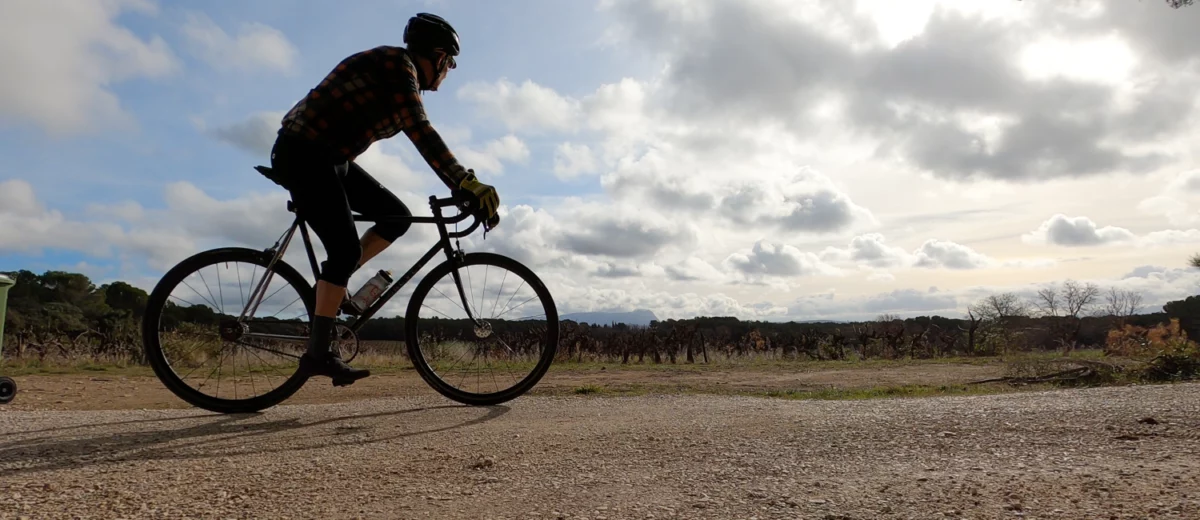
(270,173)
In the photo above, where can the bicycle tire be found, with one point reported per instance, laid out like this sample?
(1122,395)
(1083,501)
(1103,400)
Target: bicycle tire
(412,331)
(157,300)
(8,390)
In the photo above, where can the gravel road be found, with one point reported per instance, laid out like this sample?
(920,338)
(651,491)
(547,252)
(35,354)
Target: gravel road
(1131,452)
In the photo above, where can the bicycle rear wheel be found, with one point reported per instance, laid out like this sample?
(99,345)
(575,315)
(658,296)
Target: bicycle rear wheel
(489,364)
(185,340)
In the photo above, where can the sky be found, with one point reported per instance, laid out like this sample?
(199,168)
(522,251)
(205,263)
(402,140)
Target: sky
(767,159)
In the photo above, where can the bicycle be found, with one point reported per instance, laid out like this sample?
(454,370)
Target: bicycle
(523,343)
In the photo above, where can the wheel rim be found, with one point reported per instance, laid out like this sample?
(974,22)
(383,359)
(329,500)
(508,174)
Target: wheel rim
(501,353)
(215,352)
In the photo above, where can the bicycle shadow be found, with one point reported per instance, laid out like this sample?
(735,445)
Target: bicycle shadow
(116,423)
(228,435)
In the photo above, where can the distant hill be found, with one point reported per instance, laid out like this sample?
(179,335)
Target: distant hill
(639,317)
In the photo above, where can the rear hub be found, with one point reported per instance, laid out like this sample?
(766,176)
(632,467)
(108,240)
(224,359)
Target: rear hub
(233,331)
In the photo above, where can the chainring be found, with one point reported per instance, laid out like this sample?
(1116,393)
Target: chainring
(344,339)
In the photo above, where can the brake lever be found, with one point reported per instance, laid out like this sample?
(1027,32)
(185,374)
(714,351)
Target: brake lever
(465,205)
(490,224)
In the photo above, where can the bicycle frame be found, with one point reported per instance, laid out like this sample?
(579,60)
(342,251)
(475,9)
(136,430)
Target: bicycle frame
(443,244)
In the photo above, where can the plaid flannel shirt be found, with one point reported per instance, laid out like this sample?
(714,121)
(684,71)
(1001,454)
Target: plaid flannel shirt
(369,96)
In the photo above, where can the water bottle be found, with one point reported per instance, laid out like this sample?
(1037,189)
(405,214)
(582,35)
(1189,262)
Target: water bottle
(371,291)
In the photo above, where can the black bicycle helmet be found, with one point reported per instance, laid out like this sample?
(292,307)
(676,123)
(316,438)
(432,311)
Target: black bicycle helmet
(428,32)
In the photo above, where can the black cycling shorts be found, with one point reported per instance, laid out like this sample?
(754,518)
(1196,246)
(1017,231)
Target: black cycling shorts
(325,189)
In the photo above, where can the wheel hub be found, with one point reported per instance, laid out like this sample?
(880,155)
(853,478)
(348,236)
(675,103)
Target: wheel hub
(483,329)
(233,331)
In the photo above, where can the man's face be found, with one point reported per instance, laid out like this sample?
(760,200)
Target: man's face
(441,64)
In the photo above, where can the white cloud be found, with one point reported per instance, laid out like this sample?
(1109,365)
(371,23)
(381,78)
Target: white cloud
(526,107)
(622,234)
(1062,230)
(571,160)
(1102,60)
(255,46)
(490,159)
(940,253)
(255,134)
(17,199)
(666,304)
(769,259)
(1186,182)
(30,228)
(902,100)
(1171,237)
(1177,200)
(694,269)
(63,57)
(508,148)
(869,250)
(800,200)
(127,211)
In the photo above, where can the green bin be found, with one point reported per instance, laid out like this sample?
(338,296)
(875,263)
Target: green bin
(8,387)
(5,284)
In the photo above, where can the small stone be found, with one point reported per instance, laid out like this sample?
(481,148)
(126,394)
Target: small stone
(817,501)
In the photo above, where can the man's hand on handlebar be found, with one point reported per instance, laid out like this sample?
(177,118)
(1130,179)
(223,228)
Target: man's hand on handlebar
(488,201)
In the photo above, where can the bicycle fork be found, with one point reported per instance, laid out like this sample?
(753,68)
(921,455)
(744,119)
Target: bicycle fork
(455,256)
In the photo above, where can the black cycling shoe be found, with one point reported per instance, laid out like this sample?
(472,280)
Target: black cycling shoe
(330,364)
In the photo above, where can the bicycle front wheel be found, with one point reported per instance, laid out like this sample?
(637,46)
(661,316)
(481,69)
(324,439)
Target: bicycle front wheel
(503,355)
(225,333)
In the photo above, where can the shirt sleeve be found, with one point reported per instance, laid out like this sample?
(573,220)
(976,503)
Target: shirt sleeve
(401,75)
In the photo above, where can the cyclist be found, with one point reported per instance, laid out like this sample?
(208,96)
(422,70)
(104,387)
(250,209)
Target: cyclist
(369,96)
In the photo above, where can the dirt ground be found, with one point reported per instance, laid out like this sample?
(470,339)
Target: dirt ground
(102,391)
(1099,453)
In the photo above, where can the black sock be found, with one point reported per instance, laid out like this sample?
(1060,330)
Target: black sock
(319,339)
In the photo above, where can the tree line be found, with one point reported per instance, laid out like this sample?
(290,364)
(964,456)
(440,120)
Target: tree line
(64,314)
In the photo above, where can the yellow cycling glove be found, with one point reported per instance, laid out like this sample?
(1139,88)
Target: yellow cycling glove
(488,199)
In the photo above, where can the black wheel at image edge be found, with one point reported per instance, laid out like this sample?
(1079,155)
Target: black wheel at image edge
(8,390)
